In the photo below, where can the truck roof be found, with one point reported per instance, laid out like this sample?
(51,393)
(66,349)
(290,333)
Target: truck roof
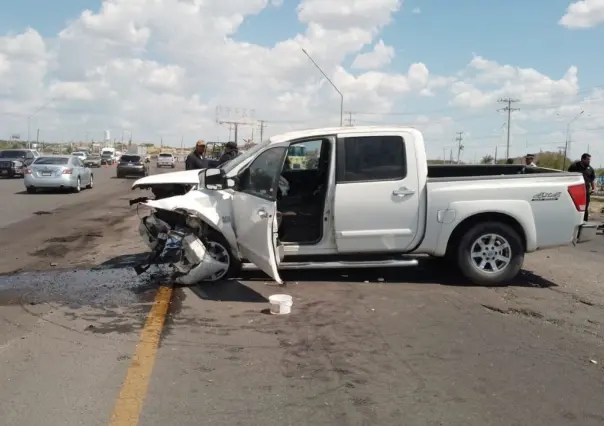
(340,130)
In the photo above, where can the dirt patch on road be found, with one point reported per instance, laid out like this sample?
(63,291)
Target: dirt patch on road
(71,238)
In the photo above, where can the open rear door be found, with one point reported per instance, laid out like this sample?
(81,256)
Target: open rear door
(255,210)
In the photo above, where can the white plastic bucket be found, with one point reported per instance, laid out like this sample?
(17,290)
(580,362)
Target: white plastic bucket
(281,304)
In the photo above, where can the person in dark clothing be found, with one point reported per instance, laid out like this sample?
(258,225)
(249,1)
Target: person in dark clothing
(196,159)
(230,151)
(583,166)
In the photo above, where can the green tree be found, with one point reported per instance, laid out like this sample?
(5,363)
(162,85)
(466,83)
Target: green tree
(487,159)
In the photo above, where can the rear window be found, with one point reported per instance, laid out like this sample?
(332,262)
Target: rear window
(165,155)
(51,161)
(106,153)
(12,154)
(131,158)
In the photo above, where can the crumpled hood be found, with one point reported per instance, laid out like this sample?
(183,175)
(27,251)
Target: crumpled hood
(187,177)
(213,207)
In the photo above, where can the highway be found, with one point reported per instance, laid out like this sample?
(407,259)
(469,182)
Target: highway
(84,341)
(17,204)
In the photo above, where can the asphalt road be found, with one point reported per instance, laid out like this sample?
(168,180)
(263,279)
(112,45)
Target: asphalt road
(18,205)
(374,347)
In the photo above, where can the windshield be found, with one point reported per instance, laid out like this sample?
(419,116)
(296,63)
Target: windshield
(94,157)
(52,160)
(165,155)
(231,164)
(12,154)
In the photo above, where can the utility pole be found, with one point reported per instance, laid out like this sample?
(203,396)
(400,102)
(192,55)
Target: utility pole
(262,126)
(349,118)
(495,158)
(459,139)
(444,155)
(235,125)
(38,137)
(509,110)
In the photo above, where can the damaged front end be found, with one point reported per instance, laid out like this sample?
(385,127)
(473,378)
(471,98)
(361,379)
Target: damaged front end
(181,241)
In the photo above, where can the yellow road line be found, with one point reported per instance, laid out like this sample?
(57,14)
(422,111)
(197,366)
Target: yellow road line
(134,389)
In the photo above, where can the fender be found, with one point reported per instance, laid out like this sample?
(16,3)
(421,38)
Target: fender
(213,207)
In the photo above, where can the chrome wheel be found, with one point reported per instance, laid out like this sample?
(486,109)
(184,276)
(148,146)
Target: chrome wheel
(91,184)
(491,253)
(220,254)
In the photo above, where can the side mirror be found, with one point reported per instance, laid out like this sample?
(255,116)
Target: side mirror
(211,179)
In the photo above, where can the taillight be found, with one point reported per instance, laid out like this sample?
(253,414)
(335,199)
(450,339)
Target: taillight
(67,171)
(27,171)
(578,193)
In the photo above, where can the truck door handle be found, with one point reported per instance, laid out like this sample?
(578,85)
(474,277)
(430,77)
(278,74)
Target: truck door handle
(262,213)
(401,192)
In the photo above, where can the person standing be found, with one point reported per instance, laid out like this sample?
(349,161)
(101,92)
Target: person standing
(529,160)
(583,166)
(231,150)
(196,159)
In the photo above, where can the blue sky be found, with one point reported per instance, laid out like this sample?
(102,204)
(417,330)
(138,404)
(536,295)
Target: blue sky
(444,36)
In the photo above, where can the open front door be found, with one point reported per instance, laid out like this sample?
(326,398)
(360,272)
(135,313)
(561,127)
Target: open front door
(255,211)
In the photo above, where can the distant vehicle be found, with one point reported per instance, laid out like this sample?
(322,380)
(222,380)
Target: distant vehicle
(80,154)
(58,172)
(108,156)
(165,159)
(132,165)
(93,161)
(13,162)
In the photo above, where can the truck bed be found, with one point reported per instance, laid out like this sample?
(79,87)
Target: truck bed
(449,171)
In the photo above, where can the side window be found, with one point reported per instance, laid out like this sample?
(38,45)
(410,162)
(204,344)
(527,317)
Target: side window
(304,155)
(371,158)
(261,177)
(29,155)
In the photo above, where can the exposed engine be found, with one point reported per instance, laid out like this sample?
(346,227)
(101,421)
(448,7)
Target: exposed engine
(180,241)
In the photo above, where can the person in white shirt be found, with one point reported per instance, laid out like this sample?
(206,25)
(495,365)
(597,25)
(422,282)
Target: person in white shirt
(529,160)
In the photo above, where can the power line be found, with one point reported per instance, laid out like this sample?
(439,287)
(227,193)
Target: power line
(509,110)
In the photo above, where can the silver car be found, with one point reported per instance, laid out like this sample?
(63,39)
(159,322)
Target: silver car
(58,172)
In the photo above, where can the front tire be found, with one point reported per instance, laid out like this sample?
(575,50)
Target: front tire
(218,247)
(91,184)
(31,190)
(490,254)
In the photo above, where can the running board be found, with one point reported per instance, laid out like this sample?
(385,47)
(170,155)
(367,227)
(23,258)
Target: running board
(340,265)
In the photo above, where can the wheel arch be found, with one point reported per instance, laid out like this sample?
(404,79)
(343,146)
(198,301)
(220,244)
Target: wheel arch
(471,221)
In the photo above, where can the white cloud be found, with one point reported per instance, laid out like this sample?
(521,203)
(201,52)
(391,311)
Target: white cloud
(485,81)
(379,57)
(416,11)
(583,14)
(159,68)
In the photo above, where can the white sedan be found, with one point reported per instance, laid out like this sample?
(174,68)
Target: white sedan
(58,172)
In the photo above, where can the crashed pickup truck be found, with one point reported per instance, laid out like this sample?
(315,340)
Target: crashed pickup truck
(364,197)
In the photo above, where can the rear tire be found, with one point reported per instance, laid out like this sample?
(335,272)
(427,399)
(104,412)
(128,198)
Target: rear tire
(490,254)
(31,190)
(78,187)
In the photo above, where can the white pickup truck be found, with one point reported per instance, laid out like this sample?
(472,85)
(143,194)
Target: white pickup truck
(364,197)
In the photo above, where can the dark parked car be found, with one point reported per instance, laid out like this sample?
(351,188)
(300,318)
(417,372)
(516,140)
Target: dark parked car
(14,162)
(132,165)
